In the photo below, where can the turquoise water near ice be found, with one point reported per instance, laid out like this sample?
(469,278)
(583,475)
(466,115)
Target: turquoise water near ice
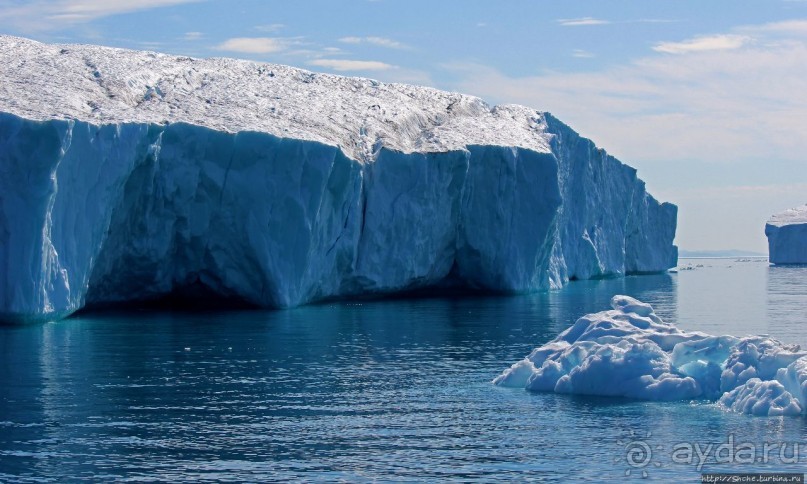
(393,390)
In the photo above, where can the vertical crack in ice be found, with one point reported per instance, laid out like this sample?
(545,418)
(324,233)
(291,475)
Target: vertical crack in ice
(366,180)
(53,279)
(227,171)
(345,204)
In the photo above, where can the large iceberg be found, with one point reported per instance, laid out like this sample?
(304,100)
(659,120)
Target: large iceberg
(787,236)
(129,175)
(630,352)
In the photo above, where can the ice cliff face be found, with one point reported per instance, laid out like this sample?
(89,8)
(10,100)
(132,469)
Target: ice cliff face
(787,236)
(127,175)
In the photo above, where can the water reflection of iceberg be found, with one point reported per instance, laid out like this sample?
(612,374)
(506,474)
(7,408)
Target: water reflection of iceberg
(787,302)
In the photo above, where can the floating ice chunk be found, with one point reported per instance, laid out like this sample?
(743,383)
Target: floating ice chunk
(787,232)
(518,374)
(794,379)
(757,358)
(627,304)
(636,370)
(765,398)
(631,352)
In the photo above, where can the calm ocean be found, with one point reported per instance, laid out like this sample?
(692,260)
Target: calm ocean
(395,389)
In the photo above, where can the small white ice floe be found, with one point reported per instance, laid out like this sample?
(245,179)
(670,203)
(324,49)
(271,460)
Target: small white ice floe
(630,352)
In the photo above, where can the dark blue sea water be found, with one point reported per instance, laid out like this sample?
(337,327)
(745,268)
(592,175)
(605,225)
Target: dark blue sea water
(392,390)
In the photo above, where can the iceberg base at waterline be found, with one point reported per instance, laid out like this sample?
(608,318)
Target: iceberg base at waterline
(629,351)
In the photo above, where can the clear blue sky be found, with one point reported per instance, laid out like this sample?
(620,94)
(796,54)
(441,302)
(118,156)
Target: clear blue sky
(708,99)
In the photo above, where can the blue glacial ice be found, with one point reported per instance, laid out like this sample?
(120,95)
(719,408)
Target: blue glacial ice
(787,236)
(630,352)
(128,175)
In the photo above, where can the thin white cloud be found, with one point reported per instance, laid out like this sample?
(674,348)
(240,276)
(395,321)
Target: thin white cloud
(587,21)
(582,54)
(579,22)
(653,21)
(352,65)
(379,41)
(269,28)
(192,36)
(704,43)
(52,14)
(253,45)
(791,27)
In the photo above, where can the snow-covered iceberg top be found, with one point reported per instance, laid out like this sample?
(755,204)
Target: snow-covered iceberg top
(790,216)
(787,236)
(630,352)
(104,85)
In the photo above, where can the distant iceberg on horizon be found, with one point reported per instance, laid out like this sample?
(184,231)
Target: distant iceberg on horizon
(787,236)
(128,175)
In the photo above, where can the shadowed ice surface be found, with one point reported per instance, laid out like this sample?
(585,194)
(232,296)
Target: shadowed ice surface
(395,389)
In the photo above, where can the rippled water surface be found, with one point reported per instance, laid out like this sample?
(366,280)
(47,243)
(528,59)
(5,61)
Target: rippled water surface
(394,389)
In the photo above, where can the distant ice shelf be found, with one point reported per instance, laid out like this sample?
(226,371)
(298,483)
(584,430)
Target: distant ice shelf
(630,352)
(787,236)
(127,175)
